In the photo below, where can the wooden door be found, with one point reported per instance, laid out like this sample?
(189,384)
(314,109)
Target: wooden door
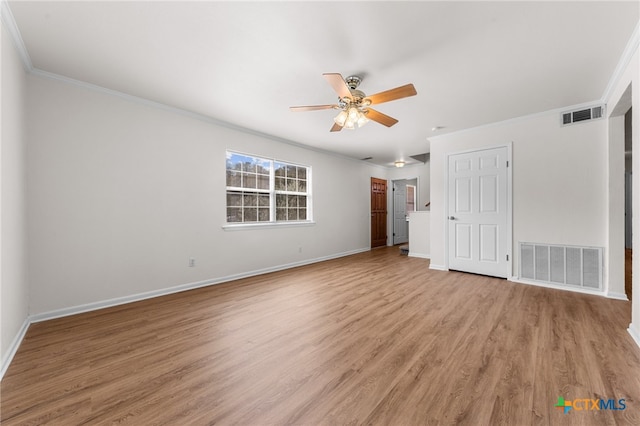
(477,214)
(378,212)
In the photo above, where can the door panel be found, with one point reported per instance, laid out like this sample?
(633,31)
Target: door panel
(463,195)
(488,243)
(378,212)
(477,212)
(463,241)
(488,194)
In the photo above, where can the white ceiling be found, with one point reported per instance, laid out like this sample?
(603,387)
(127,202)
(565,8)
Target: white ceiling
(245,63)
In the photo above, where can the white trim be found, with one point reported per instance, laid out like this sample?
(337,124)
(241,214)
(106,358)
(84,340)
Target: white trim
(73,310)
(191,114)
(10,24)
(438,267)
(616,296)
(519,119)
(556,287)
(7,18)
(509,208)
(13,348)
(58,313)
(263,225)
(419,255)
(632,46)
(634,334)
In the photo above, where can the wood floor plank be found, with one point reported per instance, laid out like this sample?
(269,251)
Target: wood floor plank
(373,338)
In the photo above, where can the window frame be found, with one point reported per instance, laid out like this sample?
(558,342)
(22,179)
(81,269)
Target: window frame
(272,192)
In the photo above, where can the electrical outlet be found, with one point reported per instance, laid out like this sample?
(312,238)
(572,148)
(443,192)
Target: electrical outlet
(192,262)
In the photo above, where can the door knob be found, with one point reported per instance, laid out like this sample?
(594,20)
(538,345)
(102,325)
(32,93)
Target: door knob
(452,218)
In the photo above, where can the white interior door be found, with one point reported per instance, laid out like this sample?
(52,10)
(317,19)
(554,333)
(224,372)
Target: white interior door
(477,212)
(400,225)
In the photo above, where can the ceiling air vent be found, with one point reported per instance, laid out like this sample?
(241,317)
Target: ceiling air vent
(592,113)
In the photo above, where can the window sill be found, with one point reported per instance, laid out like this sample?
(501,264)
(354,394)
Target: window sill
(262,225)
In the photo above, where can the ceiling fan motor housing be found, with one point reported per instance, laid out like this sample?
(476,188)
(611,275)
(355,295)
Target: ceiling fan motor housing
(358,95)
(353,81)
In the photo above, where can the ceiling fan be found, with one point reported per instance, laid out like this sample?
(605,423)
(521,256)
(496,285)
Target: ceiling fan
(354,105)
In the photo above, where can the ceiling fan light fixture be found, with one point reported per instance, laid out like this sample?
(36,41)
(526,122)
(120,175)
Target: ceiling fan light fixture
(349,125)
(353,114)
(341,118)
(350,117)
(362,119)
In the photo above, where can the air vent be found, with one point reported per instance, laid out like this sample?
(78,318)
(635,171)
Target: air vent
(366,158)
(577,116)
(566,266)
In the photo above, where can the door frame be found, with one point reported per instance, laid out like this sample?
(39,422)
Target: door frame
(445,217)
(393,203)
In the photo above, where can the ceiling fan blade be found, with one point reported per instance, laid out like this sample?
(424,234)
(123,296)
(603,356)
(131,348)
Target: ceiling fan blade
(381,118)
(393,94)
(336,128)
(312,107)
(337,82)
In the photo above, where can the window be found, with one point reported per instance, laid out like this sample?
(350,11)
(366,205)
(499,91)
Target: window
(261,190)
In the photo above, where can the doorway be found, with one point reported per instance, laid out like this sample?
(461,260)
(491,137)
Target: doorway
(628,202)
(479,215)
(378,212)
(404,202)
(620,201)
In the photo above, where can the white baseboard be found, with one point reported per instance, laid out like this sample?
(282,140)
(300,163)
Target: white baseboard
(438,267)
(420,255)
(617,296)
(557,287)
(634,334)
(73,310)
(13,348)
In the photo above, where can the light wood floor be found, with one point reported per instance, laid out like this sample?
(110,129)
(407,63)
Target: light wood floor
(375,338)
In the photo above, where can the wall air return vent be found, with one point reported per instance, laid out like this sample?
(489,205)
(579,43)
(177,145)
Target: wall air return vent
(565,266)
(586,114)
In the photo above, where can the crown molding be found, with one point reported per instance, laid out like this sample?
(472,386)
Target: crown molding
(515,120)
(187,113)
(632,47)
(9,24)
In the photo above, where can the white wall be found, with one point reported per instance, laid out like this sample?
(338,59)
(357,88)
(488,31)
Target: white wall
(559,180)
(13,276)
(121,195)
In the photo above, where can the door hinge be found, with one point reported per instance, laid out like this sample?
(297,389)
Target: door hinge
(507,164)
(507,257)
